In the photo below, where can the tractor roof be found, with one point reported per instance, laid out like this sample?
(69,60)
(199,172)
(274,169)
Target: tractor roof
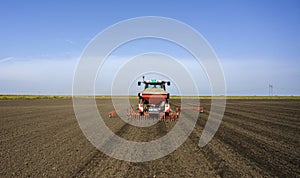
(154,81)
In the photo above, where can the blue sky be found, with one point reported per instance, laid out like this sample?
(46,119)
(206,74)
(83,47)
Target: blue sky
(257,42)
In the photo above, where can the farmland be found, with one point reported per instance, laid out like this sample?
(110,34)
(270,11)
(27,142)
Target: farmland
(258,137)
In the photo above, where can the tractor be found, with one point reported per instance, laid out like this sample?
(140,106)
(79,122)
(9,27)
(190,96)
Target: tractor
(154,100)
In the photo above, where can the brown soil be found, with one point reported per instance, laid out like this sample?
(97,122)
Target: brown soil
(257,138)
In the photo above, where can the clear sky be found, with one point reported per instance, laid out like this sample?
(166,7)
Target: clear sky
(257,42)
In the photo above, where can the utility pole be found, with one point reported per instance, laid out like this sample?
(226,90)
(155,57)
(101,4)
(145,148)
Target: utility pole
(270,90)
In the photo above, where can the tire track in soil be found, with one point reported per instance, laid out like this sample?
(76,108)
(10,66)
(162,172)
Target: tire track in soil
(33,153)
(144,168)
(175,164)
(225,161)
(229,170)
(91,163)
(273,117)
(285,110)
(274,133)
(93,167)
(266,157)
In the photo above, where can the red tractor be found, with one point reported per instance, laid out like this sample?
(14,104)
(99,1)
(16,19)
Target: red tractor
(154,103)
(154,100)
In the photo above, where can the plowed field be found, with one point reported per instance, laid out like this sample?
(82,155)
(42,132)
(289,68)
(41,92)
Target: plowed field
(257,138)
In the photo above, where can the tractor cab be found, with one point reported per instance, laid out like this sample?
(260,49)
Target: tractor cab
(154,84)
